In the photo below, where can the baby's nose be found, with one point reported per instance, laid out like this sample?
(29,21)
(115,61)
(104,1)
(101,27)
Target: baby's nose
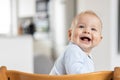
(87,31)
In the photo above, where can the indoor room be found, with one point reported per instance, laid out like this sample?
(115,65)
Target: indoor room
(33,33)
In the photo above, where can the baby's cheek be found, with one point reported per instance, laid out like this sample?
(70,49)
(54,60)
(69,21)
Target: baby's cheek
(97,40)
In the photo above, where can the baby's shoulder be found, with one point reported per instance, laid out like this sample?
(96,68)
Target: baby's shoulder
(73,47)
(73,51)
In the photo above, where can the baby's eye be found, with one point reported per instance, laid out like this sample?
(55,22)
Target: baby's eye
(81,26)
(93,29)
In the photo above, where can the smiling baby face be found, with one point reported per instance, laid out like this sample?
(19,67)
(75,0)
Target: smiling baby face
(86,31)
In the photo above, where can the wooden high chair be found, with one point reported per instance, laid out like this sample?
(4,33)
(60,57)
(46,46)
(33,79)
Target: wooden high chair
(18,75)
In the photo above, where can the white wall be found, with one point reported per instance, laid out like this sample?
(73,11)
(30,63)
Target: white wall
(14,18)
(61,15)
(105,55)
(26,8)
(17,53)
(58,25)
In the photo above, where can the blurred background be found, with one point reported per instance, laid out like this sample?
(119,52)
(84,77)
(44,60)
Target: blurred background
(33,33)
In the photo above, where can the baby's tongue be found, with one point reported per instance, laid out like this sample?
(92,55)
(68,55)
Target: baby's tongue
(85,39)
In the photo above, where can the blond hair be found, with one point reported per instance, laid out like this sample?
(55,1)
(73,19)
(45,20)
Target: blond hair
(75,20)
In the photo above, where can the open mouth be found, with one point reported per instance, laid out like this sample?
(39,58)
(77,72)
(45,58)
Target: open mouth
(85,39)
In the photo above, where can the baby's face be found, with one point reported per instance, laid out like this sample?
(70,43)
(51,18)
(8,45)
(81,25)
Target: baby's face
(86,33)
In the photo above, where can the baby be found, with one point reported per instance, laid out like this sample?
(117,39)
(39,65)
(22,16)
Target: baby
(84,34)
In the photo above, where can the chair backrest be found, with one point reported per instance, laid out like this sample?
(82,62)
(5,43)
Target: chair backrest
(18,75)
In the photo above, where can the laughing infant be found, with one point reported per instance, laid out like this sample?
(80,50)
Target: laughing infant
(84,34)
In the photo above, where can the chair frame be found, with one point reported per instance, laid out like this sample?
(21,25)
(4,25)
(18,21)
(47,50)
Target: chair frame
(18,75)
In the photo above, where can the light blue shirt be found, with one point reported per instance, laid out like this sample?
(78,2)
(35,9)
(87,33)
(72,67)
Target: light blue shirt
(73,61)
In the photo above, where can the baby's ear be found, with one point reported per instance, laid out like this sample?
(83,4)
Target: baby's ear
(101,37)
(69,34)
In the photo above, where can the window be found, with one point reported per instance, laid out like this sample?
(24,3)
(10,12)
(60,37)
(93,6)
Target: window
(5,17)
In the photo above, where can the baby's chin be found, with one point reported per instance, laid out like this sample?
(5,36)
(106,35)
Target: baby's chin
(86,48)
